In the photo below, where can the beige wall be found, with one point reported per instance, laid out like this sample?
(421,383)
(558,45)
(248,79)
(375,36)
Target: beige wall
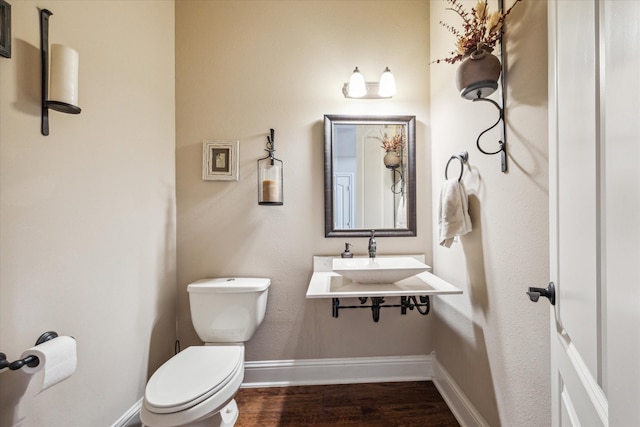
(246,66)
(492,340)
(87,214)
(87,217)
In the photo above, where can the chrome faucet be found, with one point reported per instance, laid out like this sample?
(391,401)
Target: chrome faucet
(372,244)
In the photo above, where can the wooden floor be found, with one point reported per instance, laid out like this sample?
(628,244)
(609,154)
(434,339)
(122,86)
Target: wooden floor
(372,405)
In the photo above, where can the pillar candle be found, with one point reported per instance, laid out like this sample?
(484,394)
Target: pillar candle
(63,76)
(270,190)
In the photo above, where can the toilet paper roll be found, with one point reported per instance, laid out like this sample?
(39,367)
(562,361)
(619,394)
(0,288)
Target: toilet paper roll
(57,361)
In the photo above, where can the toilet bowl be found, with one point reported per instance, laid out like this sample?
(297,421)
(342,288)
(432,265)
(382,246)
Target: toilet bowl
(196,387)
(193,385)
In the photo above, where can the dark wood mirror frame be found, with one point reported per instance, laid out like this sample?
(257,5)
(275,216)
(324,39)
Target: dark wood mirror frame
(409,177)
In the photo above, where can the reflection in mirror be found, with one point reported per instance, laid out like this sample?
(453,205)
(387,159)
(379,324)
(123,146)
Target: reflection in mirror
(369,175)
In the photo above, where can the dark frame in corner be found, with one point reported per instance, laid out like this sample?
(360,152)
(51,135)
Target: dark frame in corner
(5,29)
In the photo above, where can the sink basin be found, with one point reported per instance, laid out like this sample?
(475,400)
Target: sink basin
(378,270)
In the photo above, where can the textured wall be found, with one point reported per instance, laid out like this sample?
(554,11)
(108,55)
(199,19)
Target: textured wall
(244,67)
(493,341)
(87,214)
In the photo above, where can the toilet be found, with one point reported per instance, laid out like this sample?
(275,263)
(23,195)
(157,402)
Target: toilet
(196,387)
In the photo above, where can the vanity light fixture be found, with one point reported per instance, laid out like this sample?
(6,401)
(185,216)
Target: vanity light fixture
(270,176)
(359,88)
(60,87)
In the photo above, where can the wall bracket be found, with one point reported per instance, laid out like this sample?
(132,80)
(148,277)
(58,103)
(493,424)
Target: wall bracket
(502,142)
(406,302)
(501,109)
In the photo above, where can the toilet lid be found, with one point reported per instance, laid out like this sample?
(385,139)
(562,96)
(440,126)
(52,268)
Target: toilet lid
(191,376)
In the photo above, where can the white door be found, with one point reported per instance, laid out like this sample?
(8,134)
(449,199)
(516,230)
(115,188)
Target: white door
(344,201)
(594,131)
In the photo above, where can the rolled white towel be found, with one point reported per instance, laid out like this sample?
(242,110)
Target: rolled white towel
(454,219)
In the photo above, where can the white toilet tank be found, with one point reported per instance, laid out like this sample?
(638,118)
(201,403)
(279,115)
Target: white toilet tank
(228,310)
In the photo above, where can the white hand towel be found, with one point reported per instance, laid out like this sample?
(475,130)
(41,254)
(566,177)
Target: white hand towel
(454,217)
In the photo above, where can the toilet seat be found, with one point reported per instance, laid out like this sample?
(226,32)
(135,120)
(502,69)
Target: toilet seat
(193,376)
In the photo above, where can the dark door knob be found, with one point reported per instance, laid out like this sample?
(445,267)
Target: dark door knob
(549,292)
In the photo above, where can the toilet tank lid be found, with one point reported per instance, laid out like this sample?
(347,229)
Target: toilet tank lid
(225,285)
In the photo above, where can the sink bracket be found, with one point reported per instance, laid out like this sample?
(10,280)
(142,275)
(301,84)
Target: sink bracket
(411,302)
(406,302)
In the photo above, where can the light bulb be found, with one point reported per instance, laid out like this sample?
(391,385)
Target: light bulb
(387,85)
(357,86)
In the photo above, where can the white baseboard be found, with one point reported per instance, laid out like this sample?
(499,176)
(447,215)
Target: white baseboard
(279,373)
(462,408)
(130,418)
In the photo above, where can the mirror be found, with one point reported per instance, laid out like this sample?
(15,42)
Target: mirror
(369,176)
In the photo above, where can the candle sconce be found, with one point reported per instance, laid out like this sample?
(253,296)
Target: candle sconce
(61,92)
(270,176)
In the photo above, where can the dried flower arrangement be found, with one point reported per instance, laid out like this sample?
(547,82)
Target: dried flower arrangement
(481,29)
(392,143)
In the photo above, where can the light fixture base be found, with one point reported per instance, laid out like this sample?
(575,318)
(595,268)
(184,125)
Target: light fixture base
(372,91)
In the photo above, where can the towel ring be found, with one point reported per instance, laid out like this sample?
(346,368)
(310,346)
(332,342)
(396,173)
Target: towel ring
(463,157)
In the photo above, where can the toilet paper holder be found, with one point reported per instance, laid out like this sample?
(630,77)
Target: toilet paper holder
(31,361)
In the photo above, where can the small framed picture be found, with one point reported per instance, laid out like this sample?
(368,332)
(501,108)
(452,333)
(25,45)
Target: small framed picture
(220,160)
(5,29)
